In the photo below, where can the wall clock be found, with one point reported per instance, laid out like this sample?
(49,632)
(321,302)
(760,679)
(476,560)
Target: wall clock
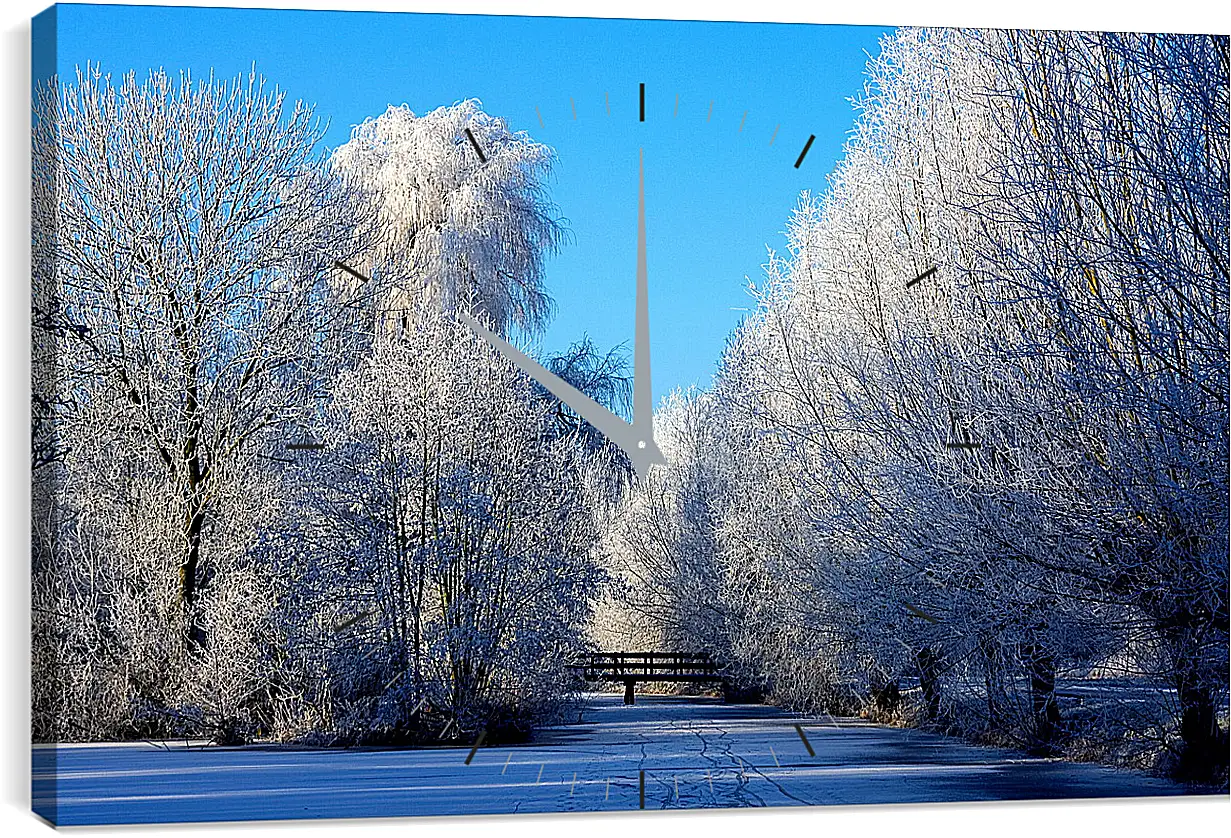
(354,496)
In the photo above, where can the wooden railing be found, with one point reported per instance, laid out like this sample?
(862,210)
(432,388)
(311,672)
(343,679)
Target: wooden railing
(649,666)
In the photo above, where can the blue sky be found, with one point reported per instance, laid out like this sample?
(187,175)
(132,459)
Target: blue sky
(716,195)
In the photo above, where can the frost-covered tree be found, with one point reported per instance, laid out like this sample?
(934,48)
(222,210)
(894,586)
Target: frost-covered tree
(446,545)
(191,232)
(445,541)
(465,219)
(284,487)
(664,559)
(975,432)
(1116,196)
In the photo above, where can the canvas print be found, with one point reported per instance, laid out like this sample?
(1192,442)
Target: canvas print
(454,415)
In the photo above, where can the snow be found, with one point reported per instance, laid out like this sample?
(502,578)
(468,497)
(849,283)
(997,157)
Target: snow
(694,752)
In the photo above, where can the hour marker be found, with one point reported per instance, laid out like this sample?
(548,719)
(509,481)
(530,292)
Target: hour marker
(804,153)
(643,101)
(800,730)
(607,102)
(919,613)
(477,150)
(922,276)
(775,134)
(966,443)
(677,106)
(348,623)
(642,785)
(540,116)
(742,120)
(350,270)
(478,743)
(305,446)
(573,105)
(711,113)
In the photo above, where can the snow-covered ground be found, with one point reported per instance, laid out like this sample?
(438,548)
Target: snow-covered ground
(694,753)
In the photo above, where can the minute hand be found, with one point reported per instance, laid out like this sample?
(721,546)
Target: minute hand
(643,419)
(627,436)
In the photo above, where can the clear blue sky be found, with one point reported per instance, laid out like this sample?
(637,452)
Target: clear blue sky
(716,196)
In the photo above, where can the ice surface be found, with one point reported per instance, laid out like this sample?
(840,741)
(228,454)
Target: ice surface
(695,753)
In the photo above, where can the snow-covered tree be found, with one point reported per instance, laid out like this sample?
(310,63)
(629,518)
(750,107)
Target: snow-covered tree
(465,219)
(192,232)
(1116,196)
(446,548)
(449,531)
(975,432)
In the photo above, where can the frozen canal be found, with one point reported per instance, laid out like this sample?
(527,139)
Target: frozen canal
(693,752)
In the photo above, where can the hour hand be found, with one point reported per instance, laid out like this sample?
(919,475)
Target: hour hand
(637,444)
(636,439)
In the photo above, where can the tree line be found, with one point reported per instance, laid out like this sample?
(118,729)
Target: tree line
(966,465)
(278,489)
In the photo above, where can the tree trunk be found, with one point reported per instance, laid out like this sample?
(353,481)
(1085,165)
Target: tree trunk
(194,522)
(1046,712)
(993,680)
(887,697)
(1203,750)
(1203,744)
(194,633)
(929,680)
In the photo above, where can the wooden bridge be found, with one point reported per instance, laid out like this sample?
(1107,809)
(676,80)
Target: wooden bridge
(631,667)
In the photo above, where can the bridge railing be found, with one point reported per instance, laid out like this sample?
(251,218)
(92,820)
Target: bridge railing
(648,665)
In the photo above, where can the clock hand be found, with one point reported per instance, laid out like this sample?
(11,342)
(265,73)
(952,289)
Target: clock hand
(643,407)
(637,439)
(639,447)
